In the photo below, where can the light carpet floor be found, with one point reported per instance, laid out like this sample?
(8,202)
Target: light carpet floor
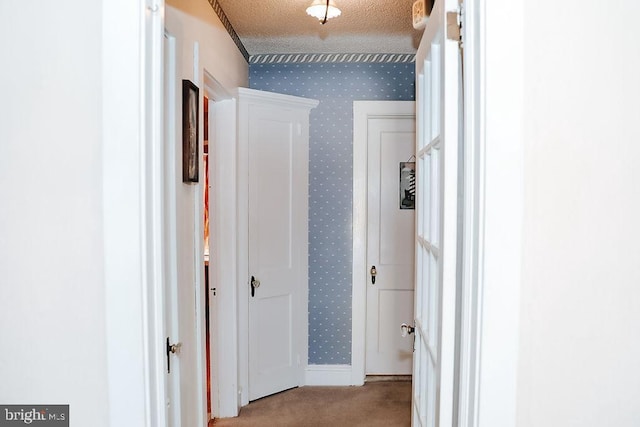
(385,403)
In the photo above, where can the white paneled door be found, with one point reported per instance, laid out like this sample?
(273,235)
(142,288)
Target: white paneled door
(437,94)
(175,334)
(277,135)
(273,223)
(390,243)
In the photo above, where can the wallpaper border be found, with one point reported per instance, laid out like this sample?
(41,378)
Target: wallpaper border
(227,25)
(333,58)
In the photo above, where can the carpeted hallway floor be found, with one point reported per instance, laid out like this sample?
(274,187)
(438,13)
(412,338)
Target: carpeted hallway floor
(385,403)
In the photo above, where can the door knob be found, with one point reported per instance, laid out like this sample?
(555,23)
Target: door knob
(373,272)
(406,329)
(255,283)
(172,349)
(175,348)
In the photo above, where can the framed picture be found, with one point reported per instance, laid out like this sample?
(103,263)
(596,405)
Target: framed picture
(407,185)
(190,116)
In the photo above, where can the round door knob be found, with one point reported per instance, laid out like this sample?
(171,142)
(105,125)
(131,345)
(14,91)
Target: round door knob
(406,329)
(175,348)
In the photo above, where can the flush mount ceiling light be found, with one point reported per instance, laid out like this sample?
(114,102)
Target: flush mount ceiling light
(323,10)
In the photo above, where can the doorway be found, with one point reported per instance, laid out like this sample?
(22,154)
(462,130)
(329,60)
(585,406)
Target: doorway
(390,244)
(382,290)
(208,288)
(220,297)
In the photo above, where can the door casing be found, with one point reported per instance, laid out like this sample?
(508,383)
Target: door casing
(134,307)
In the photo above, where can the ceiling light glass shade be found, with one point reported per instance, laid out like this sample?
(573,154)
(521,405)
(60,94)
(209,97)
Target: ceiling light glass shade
(320,8)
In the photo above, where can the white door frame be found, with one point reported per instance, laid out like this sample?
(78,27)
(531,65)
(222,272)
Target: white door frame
(493,200)
(198,242)
(473,146)
(132,309)
(494,180)
(362,112)
(132,38)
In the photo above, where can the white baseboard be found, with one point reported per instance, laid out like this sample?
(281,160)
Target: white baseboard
(328,375)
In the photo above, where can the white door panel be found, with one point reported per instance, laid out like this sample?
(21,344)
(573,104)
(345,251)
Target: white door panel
(390,247)
(173,403)
(272,219)
(437,94)
(277,148)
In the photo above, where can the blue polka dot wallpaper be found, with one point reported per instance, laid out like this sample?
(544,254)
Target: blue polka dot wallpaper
(336,86)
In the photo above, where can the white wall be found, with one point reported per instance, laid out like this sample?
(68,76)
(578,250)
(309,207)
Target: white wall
(580,311)
(53,121)
(194,22)
(52,316)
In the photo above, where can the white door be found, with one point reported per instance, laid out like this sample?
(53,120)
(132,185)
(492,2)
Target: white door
(180,258)
(390,243)
(223,304)
(437,92)
(169,230)
(278,211)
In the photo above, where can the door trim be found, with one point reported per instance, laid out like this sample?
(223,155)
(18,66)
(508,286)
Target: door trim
(362,111)
(496,126)
(131,137)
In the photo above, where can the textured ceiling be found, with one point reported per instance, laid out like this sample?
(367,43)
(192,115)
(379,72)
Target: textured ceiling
(282,26)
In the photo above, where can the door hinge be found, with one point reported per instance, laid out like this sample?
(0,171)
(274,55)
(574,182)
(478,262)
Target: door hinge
(454,25)
(153,7)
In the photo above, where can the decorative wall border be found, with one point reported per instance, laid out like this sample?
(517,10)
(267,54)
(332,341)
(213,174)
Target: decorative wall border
(307,58)
(227,24)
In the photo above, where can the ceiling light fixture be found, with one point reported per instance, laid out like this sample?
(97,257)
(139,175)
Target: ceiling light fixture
(323,10)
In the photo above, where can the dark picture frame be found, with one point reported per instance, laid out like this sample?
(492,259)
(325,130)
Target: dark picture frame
(190,125)
(407,185)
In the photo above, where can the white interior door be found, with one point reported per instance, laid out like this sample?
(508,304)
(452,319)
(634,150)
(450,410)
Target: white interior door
(278,210)
(437,92)
(223,307)
(390,243)
(169,230)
